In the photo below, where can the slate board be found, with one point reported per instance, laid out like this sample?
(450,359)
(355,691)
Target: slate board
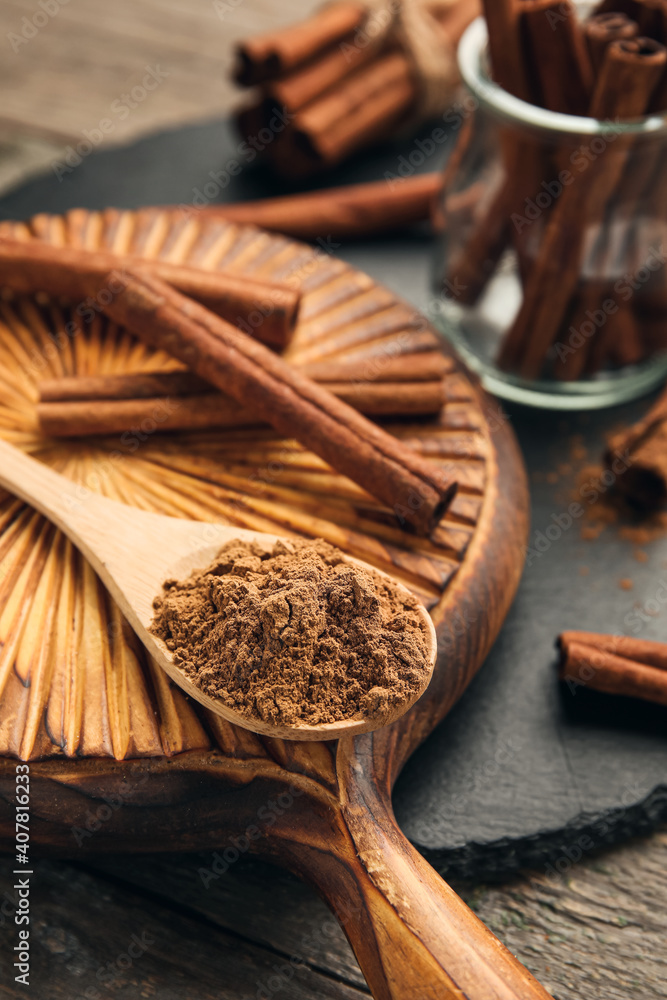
(521,772)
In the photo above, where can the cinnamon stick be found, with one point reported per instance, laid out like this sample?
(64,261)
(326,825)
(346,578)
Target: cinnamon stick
(644,482)
(603,29)
(368,104)
(352,211)
(503,18)
(215,411)
(429,366)
(308,82)
(274,53)
(635,668)
(478,257)
(559,58)
(178,401)
(623,89)
(417,491)
(265,310)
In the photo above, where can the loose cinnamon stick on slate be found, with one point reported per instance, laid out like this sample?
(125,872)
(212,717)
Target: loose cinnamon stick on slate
(264,56)
(603,29)
(268,310)
(558,56)
(644,483)
(417,491)
(352,211)
(636,668)
(623,89)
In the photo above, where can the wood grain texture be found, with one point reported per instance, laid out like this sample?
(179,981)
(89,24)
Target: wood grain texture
(188,779)
(596,932)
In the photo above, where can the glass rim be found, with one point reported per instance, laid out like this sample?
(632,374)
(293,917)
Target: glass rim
(493,97)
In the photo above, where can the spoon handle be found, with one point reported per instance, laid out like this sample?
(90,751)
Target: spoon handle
(66,503)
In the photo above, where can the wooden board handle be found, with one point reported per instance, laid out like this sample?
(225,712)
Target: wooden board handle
(414,938)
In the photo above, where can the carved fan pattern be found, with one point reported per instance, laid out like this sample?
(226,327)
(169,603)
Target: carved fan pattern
(73,679)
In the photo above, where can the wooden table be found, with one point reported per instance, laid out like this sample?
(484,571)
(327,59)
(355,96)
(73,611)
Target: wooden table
(148,926)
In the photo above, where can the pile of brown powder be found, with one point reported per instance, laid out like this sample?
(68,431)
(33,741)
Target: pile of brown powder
(296,635)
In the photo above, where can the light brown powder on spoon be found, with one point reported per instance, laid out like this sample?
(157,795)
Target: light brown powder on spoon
(296,635)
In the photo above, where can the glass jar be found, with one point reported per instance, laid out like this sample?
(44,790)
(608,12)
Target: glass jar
(550,275)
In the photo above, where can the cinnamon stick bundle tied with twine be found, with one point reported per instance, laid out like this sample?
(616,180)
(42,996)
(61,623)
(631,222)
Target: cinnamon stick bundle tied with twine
(635,668)
(352,74)
(417,491)
(75,406)
(266,310)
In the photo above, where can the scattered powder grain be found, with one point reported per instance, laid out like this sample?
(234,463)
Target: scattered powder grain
(296,635)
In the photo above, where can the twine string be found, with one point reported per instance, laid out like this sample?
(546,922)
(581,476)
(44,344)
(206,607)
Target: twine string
(414,26)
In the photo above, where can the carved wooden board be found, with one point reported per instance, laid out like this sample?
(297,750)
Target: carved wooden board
(98,719)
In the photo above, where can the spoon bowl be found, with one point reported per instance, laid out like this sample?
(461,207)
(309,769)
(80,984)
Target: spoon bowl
(135,551)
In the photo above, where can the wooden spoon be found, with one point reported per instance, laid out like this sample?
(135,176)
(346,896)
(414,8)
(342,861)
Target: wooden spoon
(135,551)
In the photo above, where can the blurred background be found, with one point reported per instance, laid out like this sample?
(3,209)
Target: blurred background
(69,64)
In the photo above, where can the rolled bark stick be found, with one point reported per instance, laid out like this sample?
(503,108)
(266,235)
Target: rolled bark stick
(264,56)
(77,406)
(603,29)
(429,366)
(471,269)
(425,366)
(309,82)
(417,491)
(503,18)
(653,654)
(634,668)
(367,104)
(630,72)
(644,482)
(210,410)
(559,58)
(267,311)
(352,211)
(616,340)
(652,18)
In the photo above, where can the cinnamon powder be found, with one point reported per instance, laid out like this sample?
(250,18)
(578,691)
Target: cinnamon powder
(294,636)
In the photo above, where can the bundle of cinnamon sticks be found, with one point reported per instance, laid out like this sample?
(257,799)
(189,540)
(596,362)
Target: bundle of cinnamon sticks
(337,82)
(416,491)
(635,668)
(231,379)
(409,386)
(586,218)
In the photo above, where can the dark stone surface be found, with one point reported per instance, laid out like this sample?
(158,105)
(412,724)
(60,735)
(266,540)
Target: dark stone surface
(521,771)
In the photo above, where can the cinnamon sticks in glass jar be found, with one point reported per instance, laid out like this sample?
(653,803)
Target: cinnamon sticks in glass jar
(554,280)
